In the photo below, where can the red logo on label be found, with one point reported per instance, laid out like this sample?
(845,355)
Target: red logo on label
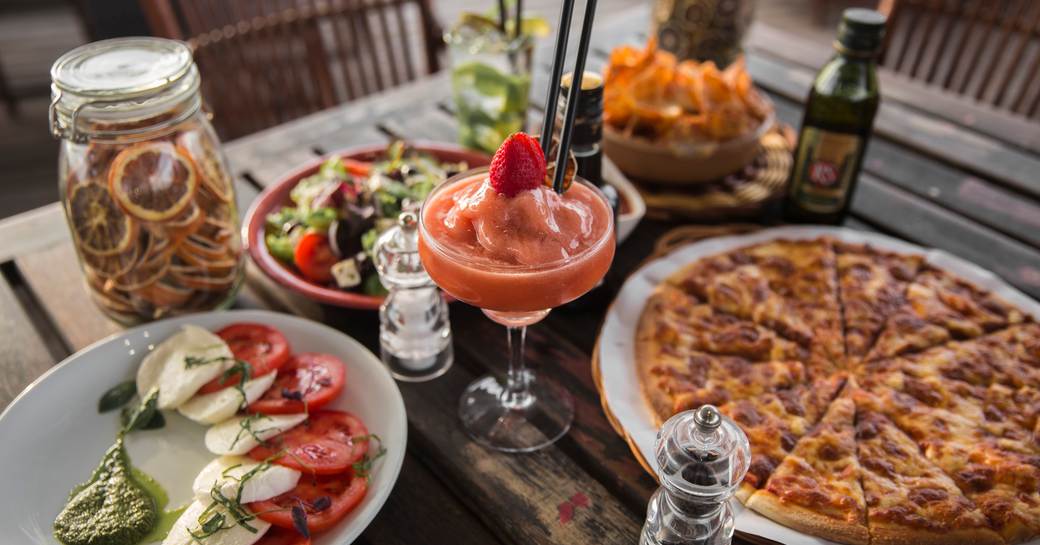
(823,174)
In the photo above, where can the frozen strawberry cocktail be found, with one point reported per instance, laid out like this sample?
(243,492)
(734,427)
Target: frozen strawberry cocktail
(502,240)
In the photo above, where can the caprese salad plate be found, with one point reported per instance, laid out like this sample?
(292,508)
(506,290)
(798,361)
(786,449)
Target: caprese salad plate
(226,428)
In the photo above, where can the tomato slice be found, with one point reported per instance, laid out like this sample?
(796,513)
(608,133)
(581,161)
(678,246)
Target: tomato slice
(263,347)
(327,443)
(357,168)
(307,382)
(282,536)
(344,493)
(315,258)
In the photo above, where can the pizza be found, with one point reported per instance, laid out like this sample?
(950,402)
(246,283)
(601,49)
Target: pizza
(885,400)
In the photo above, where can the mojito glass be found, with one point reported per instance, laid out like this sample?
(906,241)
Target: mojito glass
(491,81)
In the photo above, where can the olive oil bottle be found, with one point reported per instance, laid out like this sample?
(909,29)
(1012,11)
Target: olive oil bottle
(839,117)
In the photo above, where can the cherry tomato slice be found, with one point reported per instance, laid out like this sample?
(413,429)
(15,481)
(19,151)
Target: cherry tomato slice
(327,443)
(264,348)
(344,493)
(282,536)
(307,382)
(315,258)
(357,168)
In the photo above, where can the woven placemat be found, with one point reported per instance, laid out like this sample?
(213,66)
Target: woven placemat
(739,195)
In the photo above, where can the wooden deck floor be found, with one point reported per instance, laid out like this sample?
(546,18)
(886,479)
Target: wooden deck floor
(31,39)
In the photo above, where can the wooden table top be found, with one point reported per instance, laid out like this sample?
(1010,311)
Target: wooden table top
(938,172)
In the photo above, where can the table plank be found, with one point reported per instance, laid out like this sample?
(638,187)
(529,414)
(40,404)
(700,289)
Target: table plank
(1012,130)
(925,134)
(23,354)
(433,515)
(32,230)
(973,197)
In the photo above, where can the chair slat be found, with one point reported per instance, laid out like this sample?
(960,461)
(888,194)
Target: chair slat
(265,62)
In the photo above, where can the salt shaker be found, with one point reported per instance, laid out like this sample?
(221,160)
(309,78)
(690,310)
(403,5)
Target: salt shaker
(702,458)
(414,332)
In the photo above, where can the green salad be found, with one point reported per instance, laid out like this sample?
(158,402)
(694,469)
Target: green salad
(328,232)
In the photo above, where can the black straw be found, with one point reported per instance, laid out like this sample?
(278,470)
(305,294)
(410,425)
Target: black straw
(554,80)
(572,95)
(502,17)
(518,30)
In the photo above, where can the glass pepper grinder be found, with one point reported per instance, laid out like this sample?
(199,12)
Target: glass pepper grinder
(702,458)
(414,332)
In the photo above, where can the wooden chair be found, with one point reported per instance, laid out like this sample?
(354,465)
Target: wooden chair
(986,50)
(265,62)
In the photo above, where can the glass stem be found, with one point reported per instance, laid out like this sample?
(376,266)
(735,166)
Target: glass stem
(516,394)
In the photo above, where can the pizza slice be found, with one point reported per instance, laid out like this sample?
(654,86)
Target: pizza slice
(1000,475)
(816,488)
(786,286)
(999,409)
(680,317)
(775,421)
(1008,357)
(675,381)
(939,307)
(872,286)
(909,499)
(804,273)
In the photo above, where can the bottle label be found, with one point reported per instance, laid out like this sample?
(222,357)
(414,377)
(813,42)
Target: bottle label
(824,169)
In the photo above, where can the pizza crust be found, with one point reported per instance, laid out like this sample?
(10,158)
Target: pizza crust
(808,521)
(646,353)
(894,534)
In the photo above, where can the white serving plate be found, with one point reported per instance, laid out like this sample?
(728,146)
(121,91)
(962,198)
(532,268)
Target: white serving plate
(621,389)
(52,437)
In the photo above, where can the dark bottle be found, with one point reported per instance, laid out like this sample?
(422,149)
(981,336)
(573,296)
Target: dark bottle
(839,117)
(588,153)
(588,131)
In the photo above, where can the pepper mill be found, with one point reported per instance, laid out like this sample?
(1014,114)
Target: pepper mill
(414,331)
(702,458)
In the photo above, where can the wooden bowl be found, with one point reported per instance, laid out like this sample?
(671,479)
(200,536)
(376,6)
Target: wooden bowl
(276,195)
(685,163)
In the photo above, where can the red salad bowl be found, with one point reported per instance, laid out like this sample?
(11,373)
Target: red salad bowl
(276,196)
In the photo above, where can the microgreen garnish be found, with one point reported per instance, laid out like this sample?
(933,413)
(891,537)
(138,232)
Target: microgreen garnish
(244,372)
(246,425)
(197,361)
(117,396)
(211,525)
(295,395)
(321,503)
(299,520)
(363,467)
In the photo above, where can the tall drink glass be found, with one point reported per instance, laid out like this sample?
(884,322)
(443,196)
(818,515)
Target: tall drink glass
(524,412)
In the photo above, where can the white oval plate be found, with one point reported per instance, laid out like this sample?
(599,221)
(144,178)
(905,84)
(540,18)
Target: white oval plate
(52,437)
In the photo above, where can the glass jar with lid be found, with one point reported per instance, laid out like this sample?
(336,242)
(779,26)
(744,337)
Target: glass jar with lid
(143,180)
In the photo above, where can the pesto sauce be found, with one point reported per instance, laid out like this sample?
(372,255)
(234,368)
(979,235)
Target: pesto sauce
(166,517)
(112,508)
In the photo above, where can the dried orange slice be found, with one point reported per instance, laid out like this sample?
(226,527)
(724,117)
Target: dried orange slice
(196,278)
(207,158)
(152,181)
(98,224)
(107,266)
(164,294)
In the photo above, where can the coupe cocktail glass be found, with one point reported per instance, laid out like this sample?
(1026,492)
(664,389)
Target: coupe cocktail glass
(525,411)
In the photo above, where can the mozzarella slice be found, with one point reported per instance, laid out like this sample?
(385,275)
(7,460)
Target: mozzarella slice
(167,366)
(240,434)
(226,473)
(234,534)
(219,406)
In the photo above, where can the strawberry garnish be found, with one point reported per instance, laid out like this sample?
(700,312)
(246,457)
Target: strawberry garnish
(518,165)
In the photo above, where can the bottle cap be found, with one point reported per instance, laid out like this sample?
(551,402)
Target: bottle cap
(396,255)
(702,454)
(861,30)
(588,120)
